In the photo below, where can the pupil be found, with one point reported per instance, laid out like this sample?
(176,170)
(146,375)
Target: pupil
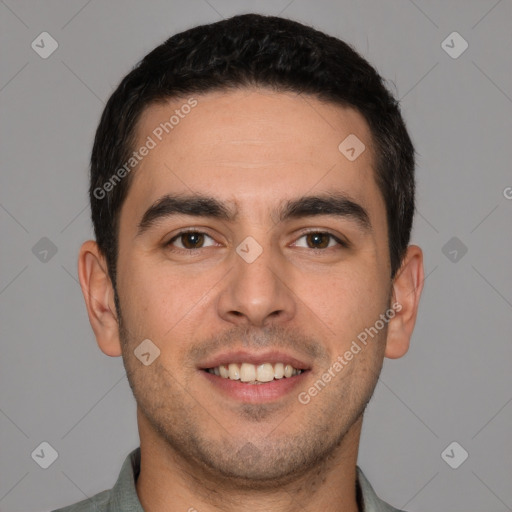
(316,239)
(192,240)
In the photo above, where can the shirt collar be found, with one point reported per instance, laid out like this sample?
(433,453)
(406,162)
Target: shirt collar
(124,493)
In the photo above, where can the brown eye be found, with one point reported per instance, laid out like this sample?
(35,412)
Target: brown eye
(318,240)
(190,240)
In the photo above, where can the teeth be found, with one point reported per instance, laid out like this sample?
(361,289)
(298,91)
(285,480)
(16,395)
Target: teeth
(265,372)
(234,372)
(247,372)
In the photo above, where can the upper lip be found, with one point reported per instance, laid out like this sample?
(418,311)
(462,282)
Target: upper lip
(241,356)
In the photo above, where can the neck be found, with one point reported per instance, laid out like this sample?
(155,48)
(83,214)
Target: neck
(171,482)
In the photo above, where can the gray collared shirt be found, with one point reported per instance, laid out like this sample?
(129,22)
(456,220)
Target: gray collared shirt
(123,496)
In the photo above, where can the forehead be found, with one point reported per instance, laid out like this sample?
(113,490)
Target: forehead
(252,145)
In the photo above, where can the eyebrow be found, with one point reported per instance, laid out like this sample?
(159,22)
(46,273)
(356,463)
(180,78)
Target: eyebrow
(332,204)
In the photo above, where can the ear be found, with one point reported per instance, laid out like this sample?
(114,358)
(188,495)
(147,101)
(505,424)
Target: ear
(99,298)
(407,287)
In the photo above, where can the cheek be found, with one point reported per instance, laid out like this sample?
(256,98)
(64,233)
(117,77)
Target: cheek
(157,302)
(144,298)
(349,302)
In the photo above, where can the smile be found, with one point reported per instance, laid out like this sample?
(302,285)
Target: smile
(254,374)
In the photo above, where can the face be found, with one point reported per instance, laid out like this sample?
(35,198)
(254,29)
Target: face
(287,263)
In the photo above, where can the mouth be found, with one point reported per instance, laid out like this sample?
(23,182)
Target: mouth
(255,378)
(255,374)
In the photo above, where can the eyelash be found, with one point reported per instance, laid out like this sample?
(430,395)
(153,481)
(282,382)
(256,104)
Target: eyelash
(168,245)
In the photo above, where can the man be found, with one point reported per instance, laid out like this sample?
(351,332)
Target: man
(252,194)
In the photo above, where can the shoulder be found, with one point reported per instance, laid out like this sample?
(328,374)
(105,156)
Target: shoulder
(97,503)
(372,503)
(121,498)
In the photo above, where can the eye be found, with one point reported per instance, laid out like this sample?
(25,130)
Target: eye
(319,240)
(190,240)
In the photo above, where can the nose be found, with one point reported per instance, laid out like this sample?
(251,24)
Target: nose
(257,292)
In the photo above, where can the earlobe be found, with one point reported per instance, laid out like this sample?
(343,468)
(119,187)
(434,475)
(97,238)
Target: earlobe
(407,288)
(98,293)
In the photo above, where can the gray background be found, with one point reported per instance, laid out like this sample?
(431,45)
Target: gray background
(455,384)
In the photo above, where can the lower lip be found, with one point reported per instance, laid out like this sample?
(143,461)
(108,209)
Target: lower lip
(256,393)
